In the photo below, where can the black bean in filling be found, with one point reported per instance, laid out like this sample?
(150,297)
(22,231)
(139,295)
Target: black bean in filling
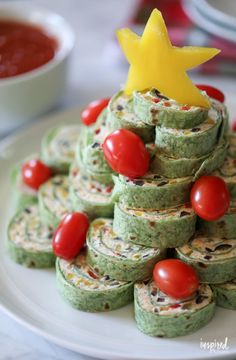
(119,107)
(196,129)
(139,182)
(202,265)
(184,213)
(207,257)
(200,299)
(94,145)
(154,292)
(162,183)
(223,247)
(57,182)
(209,250)
(159,95)
(156,92)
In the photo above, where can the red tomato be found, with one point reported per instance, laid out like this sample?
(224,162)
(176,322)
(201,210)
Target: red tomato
(35,173)
(90,114)
(210,197)
(175,278)
(70,235)
(126,153)
(212,92)
(234,126)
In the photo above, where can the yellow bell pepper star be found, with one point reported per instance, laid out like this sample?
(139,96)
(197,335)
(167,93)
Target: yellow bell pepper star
(155,63)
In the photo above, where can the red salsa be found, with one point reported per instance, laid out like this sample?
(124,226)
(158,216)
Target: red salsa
(23,47)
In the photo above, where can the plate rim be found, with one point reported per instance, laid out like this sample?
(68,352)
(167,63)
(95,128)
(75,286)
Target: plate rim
(89,351)
(28,126)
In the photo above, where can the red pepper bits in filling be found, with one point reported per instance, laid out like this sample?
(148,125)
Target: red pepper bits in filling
(167,103)
(109,189)
(91,273)
(185,107)
(175,306)
(234,125)
(74,173)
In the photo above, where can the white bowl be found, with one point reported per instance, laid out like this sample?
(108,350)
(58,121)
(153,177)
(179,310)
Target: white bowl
(206,23)
(26,96)
(219,12)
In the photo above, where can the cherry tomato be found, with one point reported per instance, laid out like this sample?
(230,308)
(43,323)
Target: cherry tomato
(90,114)
(210,197)
(234,125)
(175,278)
(35,173)
(70,235)
(126,153)
(212,92)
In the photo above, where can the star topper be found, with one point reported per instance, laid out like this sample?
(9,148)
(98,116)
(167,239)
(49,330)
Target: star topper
(155,63)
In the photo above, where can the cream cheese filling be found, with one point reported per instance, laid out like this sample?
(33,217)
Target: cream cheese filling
(126,112)
(105,241)
(230,285)
(28,232)
(228,170)
(63,144)
(217,249)
(158,215)
(155,180)
(88,189)
(152,299)
(78,273)
(55,195)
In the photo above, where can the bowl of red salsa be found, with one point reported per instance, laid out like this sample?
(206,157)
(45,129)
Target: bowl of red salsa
(35,45)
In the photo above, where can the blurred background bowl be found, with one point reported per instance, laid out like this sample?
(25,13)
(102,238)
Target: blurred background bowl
(28,95)
(217,17)
(218,11)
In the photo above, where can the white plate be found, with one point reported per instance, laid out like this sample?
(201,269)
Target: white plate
(30,296)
